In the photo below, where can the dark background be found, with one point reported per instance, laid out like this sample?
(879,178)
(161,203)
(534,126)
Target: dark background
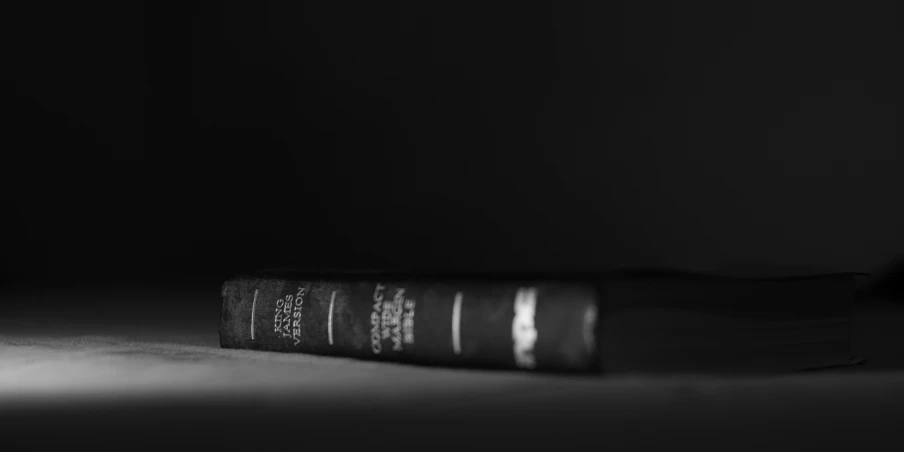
(152,142)
(156,144)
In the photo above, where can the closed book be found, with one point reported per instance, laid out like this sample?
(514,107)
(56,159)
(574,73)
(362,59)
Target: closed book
(672,322)
(610,323)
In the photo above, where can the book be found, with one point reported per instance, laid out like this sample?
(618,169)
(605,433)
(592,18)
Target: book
(538,326)
(668,322)
(636,321)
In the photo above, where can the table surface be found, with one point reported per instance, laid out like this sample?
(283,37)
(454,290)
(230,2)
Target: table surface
(150,377)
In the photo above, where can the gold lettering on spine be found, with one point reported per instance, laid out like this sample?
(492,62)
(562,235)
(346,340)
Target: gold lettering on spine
(375,346)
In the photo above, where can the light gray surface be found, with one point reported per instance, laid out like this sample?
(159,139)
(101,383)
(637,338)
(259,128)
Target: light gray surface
(101,366)
(103,378)
(121,382)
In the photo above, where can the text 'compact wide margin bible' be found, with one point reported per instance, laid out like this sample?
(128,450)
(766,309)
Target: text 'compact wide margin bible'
(617,323)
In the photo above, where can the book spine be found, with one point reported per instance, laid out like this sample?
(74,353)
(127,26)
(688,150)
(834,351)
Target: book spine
(537,326)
